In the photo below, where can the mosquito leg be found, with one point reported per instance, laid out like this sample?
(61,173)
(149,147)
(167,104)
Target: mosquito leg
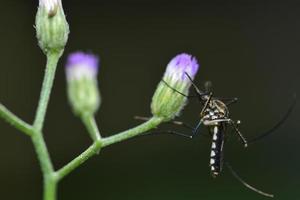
(142,118)
(169,132)
(182,124)
(234,125)
(179,123)
(194,133)
(231,101)
(245,183)
(212,122)
(195,130)
(277,125)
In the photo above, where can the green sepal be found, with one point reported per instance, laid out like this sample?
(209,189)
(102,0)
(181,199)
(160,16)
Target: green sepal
(84,96)
(52,30)
(167,103)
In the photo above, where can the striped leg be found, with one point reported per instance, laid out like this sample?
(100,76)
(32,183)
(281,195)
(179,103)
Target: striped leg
(195,131)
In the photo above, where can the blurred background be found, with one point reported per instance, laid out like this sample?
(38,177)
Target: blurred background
(248,50)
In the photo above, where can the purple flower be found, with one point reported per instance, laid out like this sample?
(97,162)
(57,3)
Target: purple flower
(168,99)
(81,65)
(179,66)
(82,84)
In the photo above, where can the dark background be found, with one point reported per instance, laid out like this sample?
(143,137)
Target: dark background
(249,50)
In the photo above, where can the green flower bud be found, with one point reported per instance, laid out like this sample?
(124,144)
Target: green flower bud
(83,93)
(167,102)
(52,28)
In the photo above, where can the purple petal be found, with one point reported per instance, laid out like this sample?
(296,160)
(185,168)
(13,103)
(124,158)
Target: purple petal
(181,64)
(81,64)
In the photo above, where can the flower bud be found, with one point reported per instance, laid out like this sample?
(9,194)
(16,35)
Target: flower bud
(52,28)
(83,93)
(167,102)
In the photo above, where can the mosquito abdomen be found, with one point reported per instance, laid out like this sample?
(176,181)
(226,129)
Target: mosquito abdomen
(216,150)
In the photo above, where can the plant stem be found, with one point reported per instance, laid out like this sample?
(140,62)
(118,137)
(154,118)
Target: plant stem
(91,151)
(46,165)
(50,181)
(50,188)
(42,153)
(96,146)
(15,121)
(91,125)
(152,123)
(52,60)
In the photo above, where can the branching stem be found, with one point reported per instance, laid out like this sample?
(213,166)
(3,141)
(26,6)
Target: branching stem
(52,177)
(97,145)
(15,121)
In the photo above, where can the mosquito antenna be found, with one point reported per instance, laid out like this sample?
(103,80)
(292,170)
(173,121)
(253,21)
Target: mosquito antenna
(187,96)
(246,184)
(277,125)
(198,91)
(206,104)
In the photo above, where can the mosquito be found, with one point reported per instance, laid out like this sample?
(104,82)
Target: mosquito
(215,116)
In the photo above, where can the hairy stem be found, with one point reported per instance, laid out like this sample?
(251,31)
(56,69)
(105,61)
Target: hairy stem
(15,121)
(52,60)
(46,165)
(152,123)
(50,182)
(91,125)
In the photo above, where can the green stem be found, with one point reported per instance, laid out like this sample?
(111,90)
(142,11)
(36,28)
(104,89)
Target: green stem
(46,165)
(152,123)
(96,146)
(52,60)
(50,181)
(50,188)
(91,125)
(91,151)
(15,121)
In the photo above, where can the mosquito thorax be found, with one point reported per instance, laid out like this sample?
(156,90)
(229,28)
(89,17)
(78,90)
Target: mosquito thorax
(215,110)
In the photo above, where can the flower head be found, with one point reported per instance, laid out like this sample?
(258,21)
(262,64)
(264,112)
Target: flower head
(81,65)
(52,28)
(168,99)
(179,66)
(83,93)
